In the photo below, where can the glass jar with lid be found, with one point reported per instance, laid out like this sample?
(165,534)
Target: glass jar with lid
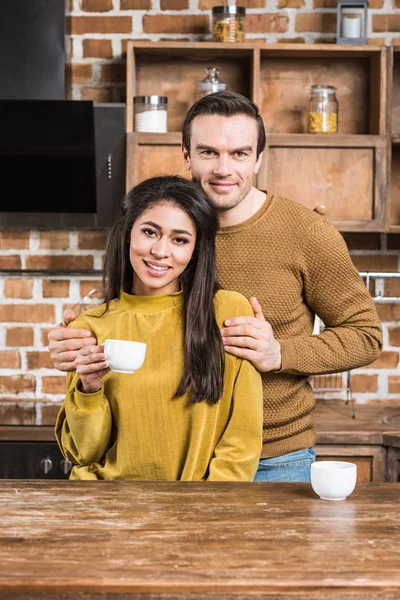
(323,110)
(151,113)
(210,84)
(229,23)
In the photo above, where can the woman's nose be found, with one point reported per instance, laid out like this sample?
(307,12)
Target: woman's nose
(160,248)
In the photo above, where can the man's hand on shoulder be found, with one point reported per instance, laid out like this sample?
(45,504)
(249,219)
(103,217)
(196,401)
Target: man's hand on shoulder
(252,338)
(64,343)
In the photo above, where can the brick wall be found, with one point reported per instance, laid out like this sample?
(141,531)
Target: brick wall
(30,390)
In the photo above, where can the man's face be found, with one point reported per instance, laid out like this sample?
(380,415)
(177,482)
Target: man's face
(223,157)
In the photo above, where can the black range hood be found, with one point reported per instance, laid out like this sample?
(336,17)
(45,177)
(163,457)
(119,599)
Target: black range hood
(62,162)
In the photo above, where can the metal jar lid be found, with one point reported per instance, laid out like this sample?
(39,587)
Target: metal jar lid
(150,100)
(231,9)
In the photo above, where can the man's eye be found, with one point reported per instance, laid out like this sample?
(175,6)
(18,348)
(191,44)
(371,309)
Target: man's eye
(208,152)
(241,154)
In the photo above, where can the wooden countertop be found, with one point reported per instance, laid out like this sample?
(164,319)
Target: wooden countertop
(176,540)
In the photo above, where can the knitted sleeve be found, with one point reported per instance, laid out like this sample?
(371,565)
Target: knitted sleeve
(334,291)
(83,425)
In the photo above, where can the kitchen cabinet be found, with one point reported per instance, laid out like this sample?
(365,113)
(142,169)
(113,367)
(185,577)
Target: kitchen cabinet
(366,440)
(342,175)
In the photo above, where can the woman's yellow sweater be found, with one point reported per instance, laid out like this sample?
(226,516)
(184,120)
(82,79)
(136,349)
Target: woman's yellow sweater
(136,428)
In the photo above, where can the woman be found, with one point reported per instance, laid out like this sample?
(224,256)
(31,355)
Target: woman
(190,412)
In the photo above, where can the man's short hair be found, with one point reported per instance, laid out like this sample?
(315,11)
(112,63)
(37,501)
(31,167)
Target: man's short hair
(226,104)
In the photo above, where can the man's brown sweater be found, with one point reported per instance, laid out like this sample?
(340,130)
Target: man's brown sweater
(297,265)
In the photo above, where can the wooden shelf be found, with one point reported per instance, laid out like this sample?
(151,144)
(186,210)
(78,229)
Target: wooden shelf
(346,172)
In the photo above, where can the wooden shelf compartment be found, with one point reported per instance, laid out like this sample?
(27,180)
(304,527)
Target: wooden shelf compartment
(344,177)
(173,70)
(359,75)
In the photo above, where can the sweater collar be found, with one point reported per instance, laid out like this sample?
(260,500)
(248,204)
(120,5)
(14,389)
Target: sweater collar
(149,304)
(251,220)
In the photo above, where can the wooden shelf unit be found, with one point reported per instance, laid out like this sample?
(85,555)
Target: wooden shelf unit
(346,173)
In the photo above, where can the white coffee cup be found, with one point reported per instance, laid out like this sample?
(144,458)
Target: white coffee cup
(124,356)
(333,479)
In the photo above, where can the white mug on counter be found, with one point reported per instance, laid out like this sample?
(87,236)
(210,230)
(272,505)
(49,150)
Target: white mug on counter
(124,356)
(333,479)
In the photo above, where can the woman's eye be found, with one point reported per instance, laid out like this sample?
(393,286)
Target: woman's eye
(149,232)
(181,240)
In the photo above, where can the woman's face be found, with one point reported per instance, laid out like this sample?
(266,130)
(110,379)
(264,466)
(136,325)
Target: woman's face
(162,242)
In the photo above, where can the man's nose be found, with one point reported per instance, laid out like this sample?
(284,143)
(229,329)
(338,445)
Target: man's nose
(223,166)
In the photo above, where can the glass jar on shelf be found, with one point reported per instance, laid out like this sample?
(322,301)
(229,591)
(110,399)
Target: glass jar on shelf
(323,109)
(151,113)
(210,84)
(229,23)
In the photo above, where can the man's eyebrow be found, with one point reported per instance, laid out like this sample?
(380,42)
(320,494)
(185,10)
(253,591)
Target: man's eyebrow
(241,149)
(159,228)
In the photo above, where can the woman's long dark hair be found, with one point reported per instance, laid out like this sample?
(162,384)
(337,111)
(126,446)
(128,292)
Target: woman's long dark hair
(204,357)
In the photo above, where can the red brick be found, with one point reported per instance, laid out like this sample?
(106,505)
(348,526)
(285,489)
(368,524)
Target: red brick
(174,4)
(44,332)
(19,336)
(10,262)
(10,359)
(96,5)
(208,4)
(383,23)
(14,240)
(18,288)
(394,384)
(113,73)
(290,4)
(392,287)
(375,3)
(388,312)
(364,383)
(319,22)
(136,5)
(176,24)
(396,42)
(324,3)
(85,25)
(375,263)
(27,313)
(66,262)
(79,73)
(15,384)
(362,241)
(17,413)
(267,23)
(54,385)
(55,288)
(92,240)
(53,240)
(97,48)
(394,336)
(85,286)
(39,360)
(386,360)
(97,94)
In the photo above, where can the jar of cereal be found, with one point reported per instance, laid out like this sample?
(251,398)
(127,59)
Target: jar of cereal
(229,23)
(323,111)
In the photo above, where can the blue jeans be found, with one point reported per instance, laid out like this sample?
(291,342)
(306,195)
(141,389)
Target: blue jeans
(295,466)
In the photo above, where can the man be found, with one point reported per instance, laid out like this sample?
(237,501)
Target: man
(291,263)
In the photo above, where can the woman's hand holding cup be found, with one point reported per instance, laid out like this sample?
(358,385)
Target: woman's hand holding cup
(91,366)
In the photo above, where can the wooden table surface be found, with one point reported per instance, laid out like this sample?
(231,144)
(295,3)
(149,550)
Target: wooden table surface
(175,540)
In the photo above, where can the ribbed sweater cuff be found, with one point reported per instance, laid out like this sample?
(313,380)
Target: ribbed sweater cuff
(288,356)
(89,402)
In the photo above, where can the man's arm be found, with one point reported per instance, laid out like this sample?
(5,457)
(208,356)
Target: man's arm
(65,343)
(334,290)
